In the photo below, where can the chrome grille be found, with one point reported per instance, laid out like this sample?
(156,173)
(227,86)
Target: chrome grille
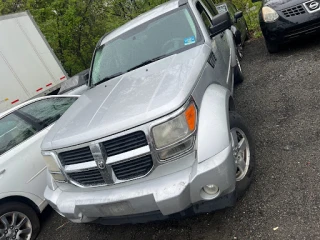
(125,143)
(133,168)
(294,11)
(103,163)
(80,155)
(88,178)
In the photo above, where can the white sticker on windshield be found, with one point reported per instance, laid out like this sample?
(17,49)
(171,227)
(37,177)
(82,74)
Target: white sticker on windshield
(189,40)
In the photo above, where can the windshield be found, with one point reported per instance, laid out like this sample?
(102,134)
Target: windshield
(168,34)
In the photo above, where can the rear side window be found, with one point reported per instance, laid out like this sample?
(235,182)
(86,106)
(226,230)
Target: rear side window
(47,111)
(13,131)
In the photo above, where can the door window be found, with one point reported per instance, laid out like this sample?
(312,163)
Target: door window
(233,8)
(204,15)
(46,111)
(210,6)
(232,11)
(27,121)
(13,131)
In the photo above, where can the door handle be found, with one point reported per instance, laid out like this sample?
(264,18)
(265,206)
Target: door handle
(2,171)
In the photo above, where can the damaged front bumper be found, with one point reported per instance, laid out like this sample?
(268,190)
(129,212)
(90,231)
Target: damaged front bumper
(176,194)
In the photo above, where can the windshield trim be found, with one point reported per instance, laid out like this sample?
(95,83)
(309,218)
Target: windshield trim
(200,41)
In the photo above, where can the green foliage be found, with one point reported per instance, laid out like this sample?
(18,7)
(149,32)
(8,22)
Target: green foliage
(73,27)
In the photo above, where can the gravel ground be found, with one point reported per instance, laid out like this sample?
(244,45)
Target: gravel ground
(280,101)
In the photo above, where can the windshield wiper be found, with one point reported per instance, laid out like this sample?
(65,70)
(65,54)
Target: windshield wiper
(148,62)
(108,78)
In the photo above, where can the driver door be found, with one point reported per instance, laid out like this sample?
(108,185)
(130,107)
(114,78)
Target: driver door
(220,47)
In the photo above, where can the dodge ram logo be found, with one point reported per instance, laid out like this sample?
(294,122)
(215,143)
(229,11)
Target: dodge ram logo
(312,6)
(101,165)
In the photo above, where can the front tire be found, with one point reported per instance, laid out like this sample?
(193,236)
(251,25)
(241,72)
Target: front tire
(243,152)
(18,221)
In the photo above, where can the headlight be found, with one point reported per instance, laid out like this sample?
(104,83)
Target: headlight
(176,150)
(269,15)
(53,167)
(176,135)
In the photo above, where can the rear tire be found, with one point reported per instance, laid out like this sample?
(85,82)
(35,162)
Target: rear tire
(20,211)
(272,47)
(243,156)
(238,75)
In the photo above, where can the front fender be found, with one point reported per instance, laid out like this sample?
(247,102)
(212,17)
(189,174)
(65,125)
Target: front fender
(214,127)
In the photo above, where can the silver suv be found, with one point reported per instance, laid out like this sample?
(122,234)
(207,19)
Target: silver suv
(156,136)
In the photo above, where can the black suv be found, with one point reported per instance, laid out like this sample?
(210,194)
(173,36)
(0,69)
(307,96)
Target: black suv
(284,20)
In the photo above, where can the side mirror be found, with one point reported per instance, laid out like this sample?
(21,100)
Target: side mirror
(86,78)
(238,15)
(220,23)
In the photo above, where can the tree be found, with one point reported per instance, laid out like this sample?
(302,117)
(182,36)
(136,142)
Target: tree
(73,27)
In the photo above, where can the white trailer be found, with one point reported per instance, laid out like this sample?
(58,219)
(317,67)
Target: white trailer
(28,66)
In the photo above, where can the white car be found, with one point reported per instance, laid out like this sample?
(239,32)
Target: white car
(22,169)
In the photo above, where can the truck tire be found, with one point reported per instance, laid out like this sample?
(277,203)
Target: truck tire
(272,47)
(238,75)
(243,152)
(18,220)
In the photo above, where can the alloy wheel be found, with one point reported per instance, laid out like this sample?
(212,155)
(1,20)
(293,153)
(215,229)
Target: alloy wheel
(15,225)
(241,152)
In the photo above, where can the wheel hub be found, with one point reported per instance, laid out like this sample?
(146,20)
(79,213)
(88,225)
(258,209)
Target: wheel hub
(10,234)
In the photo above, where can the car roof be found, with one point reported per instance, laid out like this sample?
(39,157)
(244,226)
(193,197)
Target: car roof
(145,17)
(11,110)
